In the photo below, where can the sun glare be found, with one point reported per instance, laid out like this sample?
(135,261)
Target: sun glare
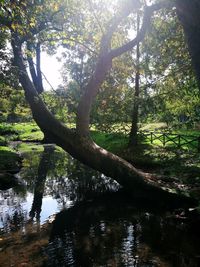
(51,69)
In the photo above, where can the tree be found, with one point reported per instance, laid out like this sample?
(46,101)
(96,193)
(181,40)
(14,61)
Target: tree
(189,17)
(171,92)
(78,142)
(134,127)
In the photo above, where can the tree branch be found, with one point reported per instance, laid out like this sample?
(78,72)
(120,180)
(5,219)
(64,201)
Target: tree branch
(45,120)
(128,7)
(104,64)
(95,16)
(36,74)
(149,10)
(31,64)
(40,87)
(72,40)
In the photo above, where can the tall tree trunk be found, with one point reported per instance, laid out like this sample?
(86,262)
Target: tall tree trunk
(189,16)
(133,137)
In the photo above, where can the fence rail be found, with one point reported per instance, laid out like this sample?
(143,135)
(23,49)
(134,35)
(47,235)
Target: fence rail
(179,140)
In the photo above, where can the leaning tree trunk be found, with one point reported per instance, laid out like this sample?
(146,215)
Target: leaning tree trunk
(78,142)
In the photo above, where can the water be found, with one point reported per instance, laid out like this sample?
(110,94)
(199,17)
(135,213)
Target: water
(65,214)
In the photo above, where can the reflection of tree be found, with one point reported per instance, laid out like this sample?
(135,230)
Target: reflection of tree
(44,166)
(95,233)
(112,231)
(176,238)
(75,182)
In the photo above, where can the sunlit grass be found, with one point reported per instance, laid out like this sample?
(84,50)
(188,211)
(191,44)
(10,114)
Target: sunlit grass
(28,147)
(21,131)
(113,142)
(173,140)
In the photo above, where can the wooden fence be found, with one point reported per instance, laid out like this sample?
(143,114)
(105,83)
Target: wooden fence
(179,140)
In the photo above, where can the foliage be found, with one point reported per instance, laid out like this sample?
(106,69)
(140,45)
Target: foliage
(78,29)
(9,159)
(171,93)
(13,105)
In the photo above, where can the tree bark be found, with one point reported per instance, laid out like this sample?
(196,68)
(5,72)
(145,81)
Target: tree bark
(188,14)
(133,137)
(40,87)
(35,72)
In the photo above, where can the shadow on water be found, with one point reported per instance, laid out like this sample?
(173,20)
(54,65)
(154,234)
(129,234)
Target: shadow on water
(114,231)
(96,223)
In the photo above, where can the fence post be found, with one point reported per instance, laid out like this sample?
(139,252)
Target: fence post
(163,139)
(179,141)
(151,137)
(198,145)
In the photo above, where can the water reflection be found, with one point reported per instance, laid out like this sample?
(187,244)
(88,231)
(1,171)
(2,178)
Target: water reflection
(45,164)
(52,181)
(112,231)
(96,224)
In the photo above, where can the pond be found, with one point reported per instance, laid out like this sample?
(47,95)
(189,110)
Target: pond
(65,214)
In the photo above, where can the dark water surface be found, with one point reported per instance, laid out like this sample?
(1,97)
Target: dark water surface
(94,223)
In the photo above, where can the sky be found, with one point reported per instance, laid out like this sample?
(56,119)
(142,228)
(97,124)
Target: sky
(51,68)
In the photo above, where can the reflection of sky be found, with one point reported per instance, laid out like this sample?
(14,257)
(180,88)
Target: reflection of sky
(26,205)
(10,203)
(8,208)
(49,207)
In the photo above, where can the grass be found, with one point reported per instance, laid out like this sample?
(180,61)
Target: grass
(112,142)
(162,127)
(168,161)
(28,131)
(188,132)
(20,131)
(158,140)
(9,159)
(28,147)
(2,141)
(159,126)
